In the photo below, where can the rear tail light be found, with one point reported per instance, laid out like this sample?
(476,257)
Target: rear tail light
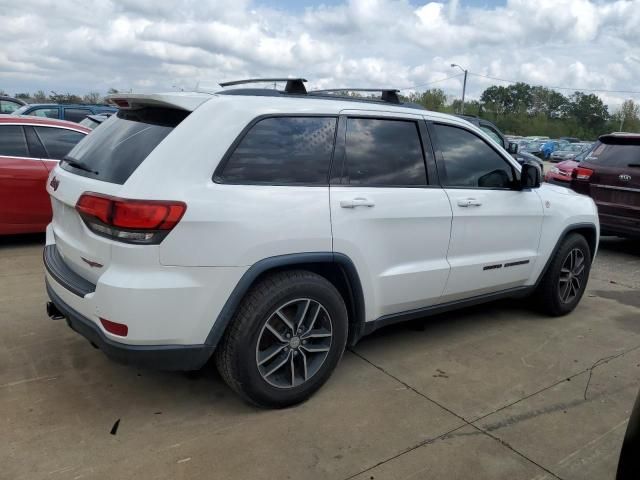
(580,173)
(131,221)
(116,328)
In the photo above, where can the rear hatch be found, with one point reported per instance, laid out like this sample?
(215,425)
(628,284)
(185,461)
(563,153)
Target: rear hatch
(615,182)
(101,164)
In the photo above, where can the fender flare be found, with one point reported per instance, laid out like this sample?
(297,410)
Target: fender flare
(356,317)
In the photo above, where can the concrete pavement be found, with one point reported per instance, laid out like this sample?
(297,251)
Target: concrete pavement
(495,392)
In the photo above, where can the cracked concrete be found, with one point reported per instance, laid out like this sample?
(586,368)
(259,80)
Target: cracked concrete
(491,392)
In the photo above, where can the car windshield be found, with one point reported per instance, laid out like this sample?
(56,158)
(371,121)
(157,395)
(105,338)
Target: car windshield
(20,110)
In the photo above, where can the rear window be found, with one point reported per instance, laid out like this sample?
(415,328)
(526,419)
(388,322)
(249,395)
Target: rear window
(615,154)
(112,152)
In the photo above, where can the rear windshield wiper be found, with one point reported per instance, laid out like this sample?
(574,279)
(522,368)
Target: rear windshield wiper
(636,165)
(79,166)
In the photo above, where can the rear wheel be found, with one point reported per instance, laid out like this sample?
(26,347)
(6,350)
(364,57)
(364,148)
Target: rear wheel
(565,280)
(285,340)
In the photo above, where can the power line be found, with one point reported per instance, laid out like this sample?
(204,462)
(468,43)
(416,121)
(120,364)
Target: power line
(431,83)
(559,88)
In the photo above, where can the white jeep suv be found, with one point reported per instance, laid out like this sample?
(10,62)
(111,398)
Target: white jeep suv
(271,229)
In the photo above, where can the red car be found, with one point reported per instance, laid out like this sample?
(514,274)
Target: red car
(30,148)
(560,174)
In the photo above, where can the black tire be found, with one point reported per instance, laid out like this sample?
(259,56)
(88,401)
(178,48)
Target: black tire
(549,295)
(237,354)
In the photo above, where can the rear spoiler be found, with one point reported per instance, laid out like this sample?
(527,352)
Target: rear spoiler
(178,100)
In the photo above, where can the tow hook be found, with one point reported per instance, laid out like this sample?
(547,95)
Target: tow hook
(53,312)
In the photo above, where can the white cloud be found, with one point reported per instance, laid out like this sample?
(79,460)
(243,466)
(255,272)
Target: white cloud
(79,46)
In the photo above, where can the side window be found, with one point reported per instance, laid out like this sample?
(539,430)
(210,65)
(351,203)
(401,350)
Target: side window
(36,149)
(45,112)
(383,153)
(12,141)
(468,161)
(283,150)
(58,141)
(76,114)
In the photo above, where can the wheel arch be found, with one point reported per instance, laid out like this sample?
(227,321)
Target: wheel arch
(587,230)
(337,268)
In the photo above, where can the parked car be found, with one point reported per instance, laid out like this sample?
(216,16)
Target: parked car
(72,113)
(29,149)
(265,240)
(571,139)
(92,121)
(567,152)
(560,174)
(510,146)
(550,146)
(10,104)
(610,174)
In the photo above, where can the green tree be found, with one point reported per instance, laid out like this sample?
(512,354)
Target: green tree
(590,113)
(548,102)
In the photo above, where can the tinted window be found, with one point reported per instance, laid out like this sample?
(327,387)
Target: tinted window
(36,149)
(76,114)
(58,141)
(383,153)
(283,150)
(469,161)
(614,155)
(12,141)
(45,112)
(122,142)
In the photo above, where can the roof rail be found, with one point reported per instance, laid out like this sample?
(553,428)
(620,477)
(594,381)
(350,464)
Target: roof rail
(294,85)
(388,94)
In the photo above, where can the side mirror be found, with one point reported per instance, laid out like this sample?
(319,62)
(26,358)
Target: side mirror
(530,176)
(512,148)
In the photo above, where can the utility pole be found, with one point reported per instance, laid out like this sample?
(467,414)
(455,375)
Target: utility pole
(464,84)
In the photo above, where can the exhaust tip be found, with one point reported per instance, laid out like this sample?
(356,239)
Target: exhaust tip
(53,312)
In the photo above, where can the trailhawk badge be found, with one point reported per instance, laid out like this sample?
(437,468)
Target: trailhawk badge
(54,183)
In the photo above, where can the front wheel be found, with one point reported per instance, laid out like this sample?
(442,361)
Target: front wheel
(565,280)
(285,340)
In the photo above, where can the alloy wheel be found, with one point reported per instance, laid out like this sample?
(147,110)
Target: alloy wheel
(294,343)
(571,276)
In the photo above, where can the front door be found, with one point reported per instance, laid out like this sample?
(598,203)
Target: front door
(495,230)
(385,216)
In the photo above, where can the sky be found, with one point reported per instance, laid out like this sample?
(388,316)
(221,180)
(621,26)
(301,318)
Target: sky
(79,46)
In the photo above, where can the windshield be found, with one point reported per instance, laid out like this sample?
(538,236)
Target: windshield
(20,110)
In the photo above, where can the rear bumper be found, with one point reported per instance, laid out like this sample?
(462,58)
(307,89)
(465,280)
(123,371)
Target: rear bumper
(160,357)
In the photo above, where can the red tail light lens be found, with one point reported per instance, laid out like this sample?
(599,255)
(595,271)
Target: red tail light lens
(113,327)
(132,221)
(580,173)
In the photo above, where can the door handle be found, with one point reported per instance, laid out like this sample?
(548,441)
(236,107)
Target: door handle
(357,202)
(469,202)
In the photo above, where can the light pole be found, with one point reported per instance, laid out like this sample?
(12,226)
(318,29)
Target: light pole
(464,84)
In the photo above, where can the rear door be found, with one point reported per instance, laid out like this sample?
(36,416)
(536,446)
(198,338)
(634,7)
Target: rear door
(495,230)
(386,214)
(615,182)
(23,199)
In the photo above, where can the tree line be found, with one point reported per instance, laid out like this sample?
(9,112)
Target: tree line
(523,109)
